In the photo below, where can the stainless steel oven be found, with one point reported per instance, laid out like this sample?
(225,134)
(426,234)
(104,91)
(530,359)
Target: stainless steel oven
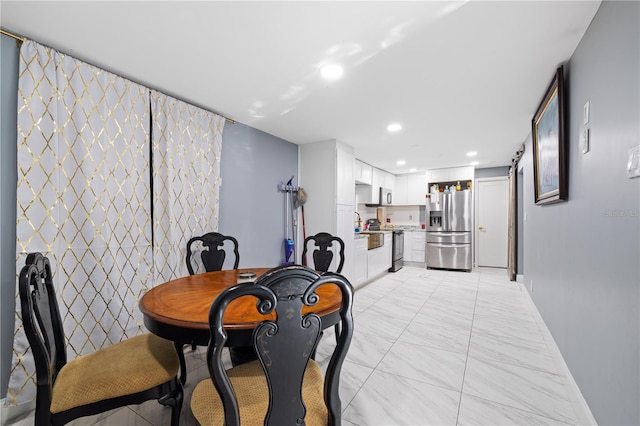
(397,259)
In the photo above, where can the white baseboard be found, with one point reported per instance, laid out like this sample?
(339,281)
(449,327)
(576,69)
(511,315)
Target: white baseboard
(12,413)
(520,278)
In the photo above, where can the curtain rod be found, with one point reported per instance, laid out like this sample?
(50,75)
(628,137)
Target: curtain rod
(7,33)
(22,40)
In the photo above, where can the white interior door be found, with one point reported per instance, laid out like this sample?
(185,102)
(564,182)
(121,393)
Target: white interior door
(492,221)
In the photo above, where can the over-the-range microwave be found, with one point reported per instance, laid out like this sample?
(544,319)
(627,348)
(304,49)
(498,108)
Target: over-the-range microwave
(385,198)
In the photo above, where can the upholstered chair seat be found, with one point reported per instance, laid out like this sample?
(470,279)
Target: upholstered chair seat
(126,368)
(250,385)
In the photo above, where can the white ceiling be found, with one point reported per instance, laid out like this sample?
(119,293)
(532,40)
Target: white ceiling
(459,76)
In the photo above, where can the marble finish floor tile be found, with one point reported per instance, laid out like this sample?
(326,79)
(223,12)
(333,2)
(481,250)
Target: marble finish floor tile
(529,390)
(386,399)
(480,412)
(366,349)
(520,329)
(417,362)
(438,334)
(520,352)
(386,326)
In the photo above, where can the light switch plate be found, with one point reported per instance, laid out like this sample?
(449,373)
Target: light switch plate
(633,164)
(586,140)
(585,118)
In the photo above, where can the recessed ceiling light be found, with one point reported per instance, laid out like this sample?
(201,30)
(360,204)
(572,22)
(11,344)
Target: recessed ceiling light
(394,127)
(474,163)
(413,170)
(401,163)
(472,154)
(331,72)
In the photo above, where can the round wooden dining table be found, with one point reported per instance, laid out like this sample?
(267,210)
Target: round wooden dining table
(178,310)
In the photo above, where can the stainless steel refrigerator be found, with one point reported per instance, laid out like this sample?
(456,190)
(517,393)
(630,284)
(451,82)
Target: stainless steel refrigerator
(449,230)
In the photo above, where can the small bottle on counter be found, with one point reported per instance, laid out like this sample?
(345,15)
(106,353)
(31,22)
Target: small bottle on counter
(458,187)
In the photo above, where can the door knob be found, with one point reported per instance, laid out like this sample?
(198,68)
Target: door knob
(481,228)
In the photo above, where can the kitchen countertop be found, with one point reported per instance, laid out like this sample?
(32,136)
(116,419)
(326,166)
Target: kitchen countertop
(382,231)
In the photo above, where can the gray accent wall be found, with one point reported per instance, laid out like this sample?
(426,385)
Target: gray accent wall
(251,207)
(582,257)
(8,174)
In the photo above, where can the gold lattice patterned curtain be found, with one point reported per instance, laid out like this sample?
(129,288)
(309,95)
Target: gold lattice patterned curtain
(84,196)
(187,143)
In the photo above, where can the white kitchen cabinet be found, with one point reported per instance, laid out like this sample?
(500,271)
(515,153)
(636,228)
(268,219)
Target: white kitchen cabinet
(417,189)
(388,180)
(388,250)
(379,259)
(345,182)
(400,191)
(360,259)
(414,247)
(326,174)
(410,189)
(377,180)
(380,179)
(465,173)
(418,246)
(362,172)
(345,230)
(375,262)
(407,253)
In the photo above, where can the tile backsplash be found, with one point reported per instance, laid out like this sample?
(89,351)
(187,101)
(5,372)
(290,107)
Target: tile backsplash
(398,215)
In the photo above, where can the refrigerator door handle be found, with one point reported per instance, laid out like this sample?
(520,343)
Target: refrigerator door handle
(448,245)
(446,213)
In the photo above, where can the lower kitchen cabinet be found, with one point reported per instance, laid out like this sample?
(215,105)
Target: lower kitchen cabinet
(375,262)
(407,253)
(388,250)
(379,259)
(360,259)
(418,245)
(414,247)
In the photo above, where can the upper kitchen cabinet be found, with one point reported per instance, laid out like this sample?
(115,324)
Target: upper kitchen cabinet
(362,173)
(345,183)
(385,179)
(450,174)
(410,189)
(379,179)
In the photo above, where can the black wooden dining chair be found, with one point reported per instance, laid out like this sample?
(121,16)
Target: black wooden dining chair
(285,385)
(129,372)
(323,255)
(214,255)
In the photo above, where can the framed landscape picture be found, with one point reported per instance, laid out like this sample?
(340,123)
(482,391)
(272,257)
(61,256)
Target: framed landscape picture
(549,144)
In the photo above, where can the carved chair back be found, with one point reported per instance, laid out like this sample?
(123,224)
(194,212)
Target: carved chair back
(323,255)
(285,345)
(214,255)
(43,327)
